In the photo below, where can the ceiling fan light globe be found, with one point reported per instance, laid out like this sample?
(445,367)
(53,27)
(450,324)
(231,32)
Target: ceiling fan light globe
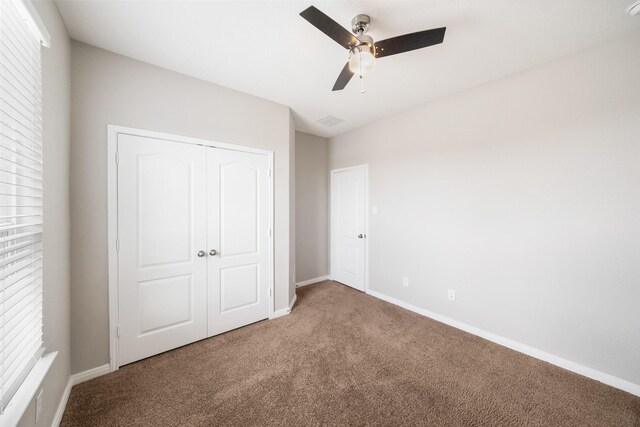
(361,60)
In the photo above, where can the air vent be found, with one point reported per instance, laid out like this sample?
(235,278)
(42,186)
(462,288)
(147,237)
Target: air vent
(329,121)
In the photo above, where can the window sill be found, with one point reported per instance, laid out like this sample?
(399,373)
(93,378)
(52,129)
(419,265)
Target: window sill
(25,394)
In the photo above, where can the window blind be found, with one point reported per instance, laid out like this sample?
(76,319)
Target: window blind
(20,199)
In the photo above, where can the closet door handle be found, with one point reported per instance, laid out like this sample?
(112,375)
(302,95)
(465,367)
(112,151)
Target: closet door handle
(213,252)
(201,253)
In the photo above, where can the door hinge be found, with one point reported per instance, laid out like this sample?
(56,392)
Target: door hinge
(269,173)
(117,157)
(117,245)
(269,292)
(269,233)
(118,331)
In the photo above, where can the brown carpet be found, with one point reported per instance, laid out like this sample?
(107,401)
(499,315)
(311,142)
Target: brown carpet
(345,358)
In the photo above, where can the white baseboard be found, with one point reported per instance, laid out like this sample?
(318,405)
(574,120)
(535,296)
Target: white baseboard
(312,281)
(517,346)
(90,374)
(284,311)
(280,313)
(57,419)
(75,379)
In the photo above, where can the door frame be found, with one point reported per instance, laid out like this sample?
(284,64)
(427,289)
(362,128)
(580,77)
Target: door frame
(112,216)
(366,219)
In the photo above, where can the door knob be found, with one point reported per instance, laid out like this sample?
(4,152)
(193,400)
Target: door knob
(213,252)
(360,236)
(201,253)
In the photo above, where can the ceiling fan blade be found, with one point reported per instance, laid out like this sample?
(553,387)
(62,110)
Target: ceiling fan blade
(408,42)
(343,78)
(330,27)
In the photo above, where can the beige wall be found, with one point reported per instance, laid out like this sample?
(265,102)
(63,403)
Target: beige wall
(55,97)
(523,196)
(312,204)
(112,89)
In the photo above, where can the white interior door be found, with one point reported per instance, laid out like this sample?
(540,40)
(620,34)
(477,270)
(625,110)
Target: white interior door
(238,232)
(348,226)
(161,227)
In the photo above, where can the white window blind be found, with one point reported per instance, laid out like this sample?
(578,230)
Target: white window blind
(20,199)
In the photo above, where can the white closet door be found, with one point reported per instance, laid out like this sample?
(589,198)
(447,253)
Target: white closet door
(238,226)
(161,229)
(348,226)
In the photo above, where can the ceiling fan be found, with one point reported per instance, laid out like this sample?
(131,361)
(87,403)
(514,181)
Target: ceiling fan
(362,49)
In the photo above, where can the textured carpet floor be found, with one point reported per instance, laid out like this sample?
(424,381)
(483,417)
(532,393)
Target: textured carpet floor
(345,358)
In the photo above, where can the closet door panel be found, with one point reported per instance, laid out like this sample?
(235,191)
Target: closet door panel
(238,225)
(161,228)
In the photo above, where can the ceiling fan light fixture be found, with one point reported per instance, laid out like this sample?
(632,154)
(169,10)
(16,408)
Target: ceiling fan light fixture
(361,59)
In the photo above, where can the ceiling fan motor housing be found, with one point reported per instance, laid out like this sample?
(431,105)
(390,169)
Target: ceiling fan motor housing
(365,43)
(360,25)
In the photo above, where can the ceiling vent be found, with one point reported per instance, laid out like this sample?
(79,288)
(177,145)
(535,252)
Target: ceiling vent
(329,121)
(634,9)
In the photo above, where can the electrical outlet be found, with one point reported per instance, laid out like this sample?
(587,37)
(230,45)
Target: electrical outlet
(405,282)
(38,405)
(452,295)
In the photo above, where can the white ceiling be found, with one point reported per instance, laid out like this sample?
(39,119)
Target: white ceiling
(266,49)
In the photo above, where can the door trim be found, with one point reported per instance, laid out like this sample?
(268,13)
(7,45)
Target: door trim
(366,218)
(112,216)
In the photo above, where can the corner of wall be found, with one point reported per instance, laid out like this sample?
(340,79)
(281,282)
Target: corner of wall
(292,206)
(311,204)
